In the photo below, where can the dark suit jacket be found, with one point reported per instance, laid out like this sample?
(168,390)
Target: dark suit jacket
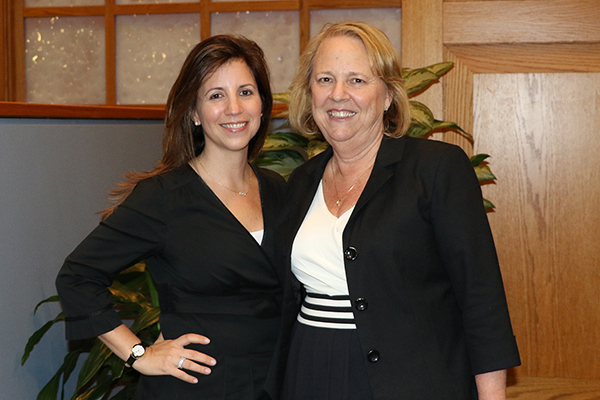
(422,272)
(212,278)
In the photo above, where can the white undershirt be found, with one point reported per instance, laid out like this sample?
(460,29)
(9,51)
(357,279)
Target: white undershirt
(317,252)
(258,235)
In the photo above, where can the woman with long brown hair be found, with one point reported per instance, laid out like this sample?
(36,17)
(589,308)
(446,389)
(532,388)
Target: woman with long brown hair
(203,220)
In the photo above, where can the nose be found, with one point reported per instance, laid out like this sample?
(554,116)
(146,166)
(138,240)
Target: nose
(233,106)
(339,92)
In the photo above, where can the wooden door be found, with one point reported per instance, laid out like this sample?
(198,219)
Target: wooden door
(527,85)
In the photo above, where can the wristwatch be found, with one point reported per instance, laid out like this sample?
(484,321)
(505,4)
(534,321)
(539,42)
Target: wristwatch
(137,351)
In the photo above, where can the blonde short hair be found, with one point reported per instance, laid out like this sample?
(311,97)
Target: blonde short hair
(384,61)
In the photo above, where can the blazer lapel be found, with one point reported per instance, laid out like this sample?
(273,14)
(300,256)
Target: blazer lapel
(390,153)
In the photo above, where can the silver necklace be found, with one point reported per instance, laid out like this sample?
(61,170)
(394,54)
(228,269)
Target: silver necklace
(239,192)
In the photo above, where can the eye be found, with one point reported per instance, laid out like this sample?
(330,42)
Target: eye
(357,80)
(324,79)
(213,96)
(246,92)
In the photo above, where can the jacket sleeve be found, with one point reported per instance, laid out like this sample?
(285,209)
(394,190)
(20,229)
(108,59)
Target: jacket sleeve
(134,231)
(466,245)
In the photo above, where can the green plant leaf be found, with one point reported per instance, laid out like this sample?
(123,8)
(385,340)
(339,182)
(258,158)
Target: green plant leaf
(151,288)
(148,316)
(69,364)
(281,161)
(284,140)
(488,204)
(283,97)
(418,130)
(285,114)
(116,366)
(440,69)
(50,390)
(37,336)
(104,384)
(98,355)
(442,126)
(484,173)
(478,159)
(123,294)
(421,114)
(316,146)
(48,300)
(418,80)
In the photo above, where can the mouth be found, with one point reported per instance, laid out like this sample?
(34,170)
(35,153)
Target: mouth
(234,125)
(340,114)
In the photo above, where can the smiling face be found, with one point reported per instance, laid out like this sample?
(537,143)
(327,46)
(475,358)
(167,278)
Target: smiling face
(229,108)
(348,100)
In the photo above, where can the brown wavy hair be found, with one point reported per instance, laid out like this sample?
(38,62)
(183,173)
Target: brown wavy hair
(384,61)
(182,140)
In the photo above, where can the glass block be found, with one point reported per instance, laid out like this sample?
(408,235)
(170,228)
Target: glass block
(386,19)
(276,32)
(62,3)
(150,52)
(154,1)
(65,62)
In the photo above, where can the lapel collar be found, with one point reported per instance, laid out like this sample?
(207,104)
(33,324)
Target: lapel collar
(390,153)
(303,186)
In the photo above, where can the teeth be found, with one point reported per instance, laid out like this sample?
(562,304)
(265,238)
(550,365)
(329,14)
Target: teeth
(234,126)
(341,114)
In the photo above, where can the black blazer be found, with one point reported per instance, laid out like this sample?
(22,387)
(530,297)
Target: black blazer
(212,278)
(422,272)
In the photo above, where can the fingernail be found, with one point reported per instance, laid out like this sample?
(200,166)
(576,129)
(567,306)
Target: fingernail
(207,371)
(195,380)
(213,362)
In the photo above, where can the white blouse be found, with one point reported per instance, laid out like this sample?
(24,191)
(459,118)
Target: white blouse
(318,263)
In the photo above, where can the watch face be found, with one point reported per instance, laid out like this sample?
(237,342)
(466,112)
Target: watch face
(138,350)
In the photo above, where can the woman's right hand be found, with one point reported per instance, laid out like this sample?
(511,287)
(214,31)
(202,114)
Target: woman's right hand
(163,358)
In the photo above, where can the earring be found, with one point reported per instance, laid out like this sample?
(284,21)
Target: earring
(196,123)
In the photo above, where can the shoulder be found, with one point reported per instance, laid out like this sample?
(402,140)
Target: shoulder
(155,188)
(272,184)
(426,153)
(312,168)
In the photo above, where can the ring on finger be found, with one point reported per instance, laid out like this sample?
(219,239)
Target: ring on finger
(180,364)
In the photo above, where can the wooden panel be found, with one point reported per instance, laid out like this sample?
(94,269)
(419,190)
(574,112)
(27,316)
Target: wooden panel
(551,21)
(540,130)
(63,11)
(422,44)
(458,101)
(110,53)
(501,58)
(553,389)
(333,4)
(156,111)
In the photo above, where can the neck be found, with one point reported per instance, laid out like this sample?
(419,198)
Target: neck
(230,169)
(350,161)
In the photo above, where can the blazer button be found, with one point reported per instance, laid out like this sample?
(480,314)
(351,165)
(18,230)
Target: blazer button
(361,304)
(373,356)
(350,253)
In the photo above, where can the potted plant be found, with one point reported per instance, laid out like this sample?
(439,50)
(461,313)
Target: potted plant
(133,291)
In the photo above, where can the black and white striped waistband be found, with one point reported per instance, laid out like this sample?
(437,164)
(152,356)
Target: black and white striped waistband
(323,311)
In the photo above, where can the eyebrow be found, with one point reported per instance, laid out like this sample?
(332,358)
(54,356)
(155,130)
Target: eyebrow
(245,85)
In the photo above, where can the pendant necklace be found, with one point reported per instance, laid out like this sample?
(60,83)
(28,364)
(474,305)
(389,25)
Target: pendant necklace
(338,202)
(239,192)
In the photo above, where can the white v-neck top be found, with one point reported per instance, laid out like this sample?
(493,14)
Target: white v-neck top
(317,253)
(258,235)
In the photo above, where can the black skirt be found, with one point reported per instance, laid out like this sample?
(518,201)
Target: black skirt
(325,364)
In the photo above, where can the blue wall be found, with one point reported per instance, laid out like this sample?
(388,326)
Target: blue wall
(54,178)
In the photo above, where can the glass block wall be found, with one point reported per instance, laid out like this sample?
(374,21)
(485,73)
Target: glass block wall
(66,56)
